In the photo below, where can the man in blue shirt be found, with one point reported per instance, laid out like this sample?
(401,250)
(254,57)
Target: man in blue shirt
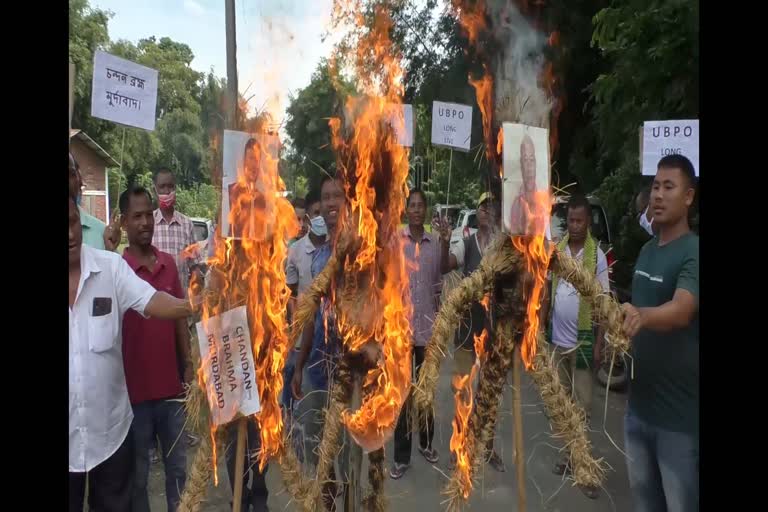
(321,346)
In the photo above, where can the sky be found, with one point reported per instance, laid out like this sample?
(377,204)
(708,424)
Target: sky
(278,41)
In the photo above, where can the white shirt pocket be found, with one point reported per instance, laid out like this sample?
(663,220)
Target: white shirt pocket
(101,332)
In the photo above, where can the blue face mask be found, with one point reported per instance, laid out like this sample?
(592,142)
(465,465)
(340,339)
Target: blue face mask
(645,223)
(317,226)
(79,199)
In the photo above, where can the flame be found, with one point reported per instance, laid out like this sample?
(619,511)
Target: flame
(251,270)
(537,253)
(464,399)
(375,169)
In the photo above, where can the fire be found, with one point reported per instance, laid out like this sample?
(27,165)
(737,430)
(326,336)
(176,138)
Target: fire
(537,253)
(464,399)
(251,270)
(375,168)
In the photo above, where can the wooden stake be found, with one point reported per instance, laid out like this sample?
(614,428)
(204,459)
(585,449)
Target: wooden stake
(353,495)
(518,419)
(242,431)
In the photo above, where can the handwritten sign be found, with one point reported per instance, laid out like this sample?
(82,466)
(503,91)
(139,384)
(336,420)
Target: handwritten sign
(662,138)
(123,92)
(451,125)
(228,369)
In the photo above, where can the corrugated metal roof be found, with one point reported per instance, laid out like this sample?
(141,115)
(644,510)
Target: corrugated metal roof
(85,139)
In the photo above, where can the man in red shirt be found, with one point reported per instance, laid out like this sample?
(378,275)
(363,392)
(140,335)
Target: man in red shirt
(156,356)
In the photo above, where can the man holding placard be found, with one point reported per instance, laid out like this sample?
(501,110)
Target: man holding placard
(102,287)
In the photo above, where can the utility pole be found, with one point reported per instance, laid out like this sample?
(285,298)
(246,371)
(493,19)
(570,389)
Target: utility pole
(231,114)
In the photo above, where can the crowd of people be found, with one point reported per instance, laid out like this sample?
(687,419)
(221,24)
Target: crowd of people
(130,341)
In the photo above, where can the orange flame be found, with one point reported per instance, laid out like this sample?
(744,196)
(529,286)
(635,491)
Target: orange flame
(537,254)
(464,399)
(251,270)
(376,170)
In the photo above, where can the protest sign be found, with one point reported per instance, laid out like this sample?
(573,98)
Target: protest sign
(123,92)
(451,125)
(662,138)
(227,362)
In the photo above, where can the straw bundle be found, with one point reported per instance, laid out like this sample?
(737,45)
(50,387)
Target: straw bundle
(199,476)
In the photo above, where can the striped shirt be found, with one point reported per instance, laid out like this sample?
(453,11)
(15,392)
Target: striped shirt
(173,237)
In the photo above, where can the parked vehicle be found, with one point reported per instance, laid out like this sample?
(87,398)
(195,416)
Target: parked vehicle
(203,228)
(466,225)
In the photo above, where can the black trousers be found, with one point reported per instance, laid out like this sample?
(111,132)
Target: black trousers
(255,496)
(110,484)
(403,430)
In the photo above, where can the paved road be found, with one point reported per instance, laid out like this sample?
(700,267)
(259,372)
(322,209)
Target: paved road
(419,490)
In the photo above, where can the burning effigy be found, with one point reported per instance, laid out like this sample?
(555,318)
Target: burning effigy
(512,275)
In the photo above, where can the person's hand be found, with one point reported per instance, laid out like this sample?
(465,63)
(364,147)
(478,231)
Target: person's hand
(445,229)
(196,291)
(633,319)
(112,233)
(296,385)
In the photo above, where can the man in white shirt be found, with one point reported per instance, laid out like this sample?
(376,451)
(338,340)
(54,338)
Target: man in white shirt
(572,331)
(102,287)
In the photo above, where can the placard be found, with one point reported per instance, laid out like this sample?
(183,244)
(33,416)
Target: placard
(662,138)
(228,369)
(451,125)
(403,129)
(123,92)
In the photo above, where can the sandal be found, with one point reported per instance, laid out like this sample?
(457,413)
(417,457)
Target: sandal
(430,454)
(397,471)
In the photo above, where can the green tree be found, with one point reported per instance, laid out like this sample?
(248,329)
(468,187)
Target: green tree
(309,152)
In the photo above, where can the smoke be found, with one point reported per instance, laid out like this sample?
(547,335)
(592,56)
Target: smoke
(518,66)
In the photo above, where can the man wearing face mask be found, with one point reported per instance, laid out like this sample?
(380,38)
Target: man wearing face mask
(96,234)
(298,272)
(174,231)
(644,216)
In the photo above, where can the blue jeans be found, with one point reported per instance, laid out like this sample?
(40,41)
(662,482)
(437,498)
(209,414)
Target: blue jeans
(663,467)
(166,419)
(288,371)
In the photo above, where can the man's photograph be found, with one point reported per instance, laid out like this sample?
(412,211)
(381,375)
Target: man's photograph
(246,157)
(526,172)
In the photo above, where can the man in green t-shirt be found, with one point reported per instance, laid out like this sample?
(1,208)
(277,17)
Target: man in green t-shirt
(662,421)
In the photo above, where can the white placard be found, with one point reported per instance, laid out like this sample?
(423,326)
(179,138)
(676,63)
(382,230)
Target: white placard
(662,138)
(227,359)
(123,92)
(403,129)
(524,208)
(451,125)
